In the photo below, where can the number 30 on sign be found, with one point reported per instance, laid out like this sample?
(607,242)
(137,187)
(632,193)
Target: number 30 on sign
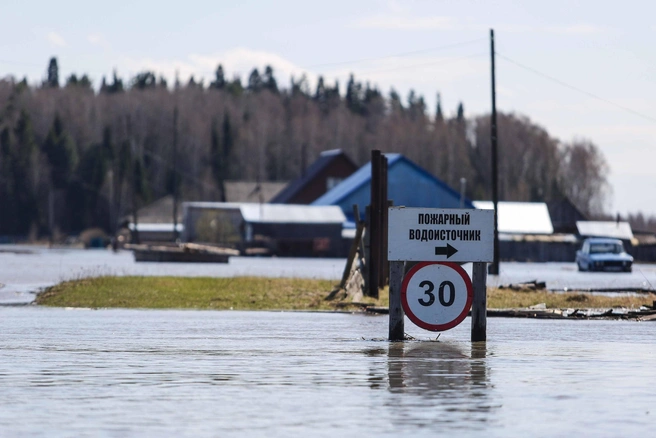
(436,296)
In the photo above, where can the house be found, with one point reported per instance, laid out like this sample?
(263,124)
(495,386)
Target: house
(613,229)
(564,216)
(408,185)
(155,220)
(526,233)
(520,217)
(331,168)
(277,229)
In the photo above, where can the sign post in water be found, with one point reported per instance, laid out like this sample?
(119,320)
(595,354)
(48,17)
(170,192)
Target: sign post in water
(436,294)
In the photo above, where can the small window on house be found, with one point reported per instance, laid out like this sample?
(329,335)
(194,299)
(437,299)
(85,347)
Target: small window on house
(332,181)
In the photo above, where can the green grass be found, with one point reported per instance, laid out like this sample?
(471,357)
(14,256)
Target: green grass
(257,293)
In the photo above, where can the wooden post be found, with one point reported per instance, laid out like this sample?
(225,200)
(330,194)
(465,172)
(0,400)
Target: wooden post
(384,205)
(354,248)
(374,225)
(366,242)
(494,270)
(396,323)
(174,165)
(479,304)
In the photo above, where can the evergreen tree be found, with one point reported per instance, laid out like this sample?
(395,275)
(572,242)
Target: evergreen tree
(71,81)
(91,172)
(115,87)
(216,161)
(61,154)
(17,188)
(460,113)
(270,80)
(52,80)
(107,146)
(254,81)
(220,153)
(439,117)
(354,98)
(395,101)
(235,87)
(320,93)
(228,142)
(83,83)
(219,82)
(192,84)
(332,96)
(144,80)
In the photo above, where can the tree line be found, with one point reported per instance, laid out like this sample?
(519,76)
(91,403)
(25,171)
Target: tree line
(74,157)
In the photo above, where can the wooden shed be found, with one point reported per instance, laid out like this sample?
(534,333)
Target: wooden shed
(330,169)
(275,229)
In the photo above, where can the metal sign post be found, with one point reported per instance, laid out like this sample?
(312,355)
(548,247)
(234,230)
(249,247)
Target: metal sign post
(437,293)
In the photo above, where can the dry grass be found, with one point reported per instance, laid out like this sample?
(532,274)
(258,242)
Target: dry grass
(507,299)
(239,293)
(257,293)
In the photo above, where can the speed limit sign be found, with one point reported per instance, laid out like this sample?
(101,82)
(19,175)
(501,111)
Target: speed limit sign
(436,296)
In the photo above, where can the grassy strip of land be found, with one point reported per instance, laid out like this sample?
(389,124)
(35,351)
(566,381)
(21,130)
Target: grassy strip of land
(257,293)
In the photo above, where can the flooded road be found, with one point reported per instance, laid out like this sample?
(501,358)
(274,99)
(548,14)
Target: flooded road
(25,269)
(197,373)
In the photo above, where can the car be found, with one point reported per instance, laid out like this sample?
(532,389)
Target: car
(600,254)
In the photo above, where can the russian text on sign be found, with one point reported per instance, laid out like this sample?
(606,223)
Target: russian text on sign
(414,234)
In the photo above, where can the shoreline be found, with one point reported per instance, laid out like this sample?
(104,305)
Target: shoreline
(311,295)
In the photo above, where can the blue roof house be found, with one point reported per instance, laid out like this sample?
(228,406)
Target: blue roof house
(408,185)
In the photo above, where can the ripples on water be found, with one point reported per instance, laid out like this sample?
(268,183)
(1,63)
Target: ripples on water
(193,373)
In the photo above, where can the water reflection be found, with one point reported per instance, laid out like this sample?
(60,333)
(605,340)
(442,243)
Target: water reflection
(447,382)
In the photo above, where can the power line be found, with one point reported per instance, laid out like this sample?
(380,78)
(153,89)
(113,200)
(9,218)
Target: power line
(428,64)
(398,55)
(572,87)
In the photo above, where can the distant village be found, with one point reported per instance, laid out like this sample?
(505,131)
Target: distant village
(313,216)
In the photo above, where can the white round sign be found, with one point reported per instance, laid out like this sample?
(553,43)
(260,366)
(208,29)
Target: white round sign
(436,296)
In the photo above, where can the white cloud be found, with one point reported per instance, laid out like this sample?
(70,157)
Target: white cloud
(167,68)
(395,22)
(236,62)
(97,39)
(55,39)
(242,60)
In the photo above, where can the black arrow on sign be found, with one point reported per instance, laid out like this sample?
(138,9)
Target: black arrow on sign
(447,250)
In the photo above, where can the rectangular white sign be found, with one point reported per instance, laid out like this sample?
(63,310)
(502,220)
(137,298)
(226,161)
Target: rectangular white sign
(440,235)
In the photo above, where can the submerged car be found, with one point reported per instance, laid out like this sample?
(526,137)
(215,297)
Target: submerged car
(597,254)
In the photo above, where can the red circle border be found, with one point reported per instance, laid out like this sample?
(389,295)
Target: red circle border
(436,327)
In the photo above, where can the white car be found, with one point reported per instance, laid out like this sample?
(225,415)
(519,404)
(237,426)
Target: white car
(600,254)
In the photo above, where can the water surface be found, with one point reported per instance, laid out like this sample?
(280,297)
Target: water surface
(222,373)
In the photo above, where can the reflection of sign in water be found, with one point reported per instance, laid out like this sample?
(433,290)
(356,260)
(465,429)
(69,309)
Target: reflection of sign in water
(436,296)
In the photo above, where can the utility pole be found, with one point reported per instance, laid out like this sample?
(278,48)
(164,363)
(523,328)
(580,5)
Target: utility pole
(175,174)
(494,267)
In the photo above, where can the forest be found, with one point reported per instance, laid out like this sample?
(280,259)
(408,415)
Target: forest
(73,156)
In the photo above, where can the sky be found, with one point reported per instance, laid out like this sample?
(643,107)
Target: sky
(580,69)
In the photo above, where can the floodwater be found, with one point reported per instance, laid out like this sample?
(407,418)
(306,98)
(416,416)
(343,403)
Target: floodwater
(226,373)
